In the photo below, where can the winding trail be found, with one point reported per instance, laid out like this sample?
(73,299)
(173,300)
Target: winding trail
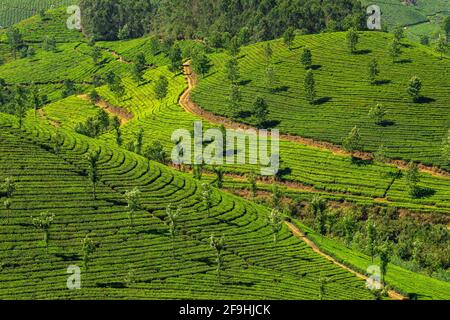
(191,107)
(121,113)
(299,234)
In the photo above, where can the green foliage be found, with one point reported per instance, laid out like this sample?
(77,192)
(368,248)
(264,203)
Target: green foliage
(373,70)
(275,220)
(412,178)
(352,40)
(260,111)
(353,141)
(156,152)
(43,223)
(310,87)
(232,68)
(414,88)
(161,87)
(89,248)
(94,126)
(289,36)
(306,58)
(133,199)
(377,113)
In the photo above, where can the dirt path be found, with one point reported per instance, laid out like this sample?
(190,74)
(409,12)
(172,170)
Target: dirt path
(54,123)
(186,102)
(299,234)
(123,115)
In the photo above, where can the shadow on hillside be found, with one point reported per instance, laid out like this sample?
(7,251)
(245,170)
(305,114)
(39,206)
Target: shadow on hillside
(381,82)
(269,124)
(387,123)
(361,162)
(316,66)
(425,100)
(244,82)
(68,257)
(238,283)
(322,100)
(404,61)
(244,114)
(281,89)
(423,192)
(362,52)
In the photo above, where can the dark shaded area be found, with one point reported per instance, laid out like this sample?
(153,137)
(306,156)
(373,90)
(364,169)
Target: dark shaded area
(404,61)
(322,100)
(425,100)
(381,82)
(386,123)
(316,66)
(423,192)
(269,124)
(281,89)
(361,162)
(244,82)
(115,285)
(363,51)
(68,256)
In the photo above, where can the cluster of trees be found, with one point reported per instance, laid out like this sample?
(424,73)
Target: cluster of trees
(219,21)
(18,99)
(379,231)
(97,125)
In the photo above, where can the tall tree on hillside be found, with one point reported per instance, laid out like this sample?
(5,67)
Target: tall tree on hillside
(161,87)
(139,141)
(172,223)
(7,204)
(352,142)
(373,70)
(96,54)
(138,74)
(115,124)
(275,221)
(8,187)
(395,50)
(260,111)
(176,58)
(252,183)
(92,158)
(289,36)
(14,38)
(219,177)
(133,199)
(234,47)
(441,45)
(235,100)
(207,197)
(318,209)
(310,87)
(271,79)
(384,252)
(89,248)
(218,244)
(371,232)
(49,44)
(446,26)
(414,87)
(57,141)
(43,223)
(200,63)
(232,70)
(412,178)
(36,99)
(277,197)
(141,61)
(399,33)
(377,113)
(306,58)
(352,40)
(268,52)
(20,103)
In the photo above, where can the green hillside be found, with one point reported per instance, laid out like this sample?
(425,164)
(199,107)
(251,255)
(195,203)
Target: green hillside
(345,95)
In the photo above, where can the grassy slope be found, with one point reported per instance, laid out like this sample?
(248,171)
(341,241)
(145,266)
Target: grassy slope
(341,81)
(408,282)
(14,11)
(254,267)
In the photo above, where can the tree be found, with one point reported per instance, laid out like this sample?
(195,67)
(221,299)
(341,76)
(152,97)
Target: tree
(141,61)
(139,141)
(373,71)
(412,178)
(425,40)
(92,159)
(89,248)
(352,142)
(68,88)
(318,208)
(156,153)
(219,177)
(218,244)
(14,38)
(268,52)
(235,100)
(446,26)
(232,70)
(322,286)
(124,32)
(306,58)
(352,40)
(57,141)
(234,46)
(197,171)
(395,50)
(7,204)
(371,233)
(49,44)
(20,103)
(96,55)
(260,111)
(115,123)
(275,220)
(36,99)
(138,74)
(414,87)
(277,197)
(176,58)
(207,197)
(43,223)
(9,187)
(377,113)
(441,45)
(310,87)
(271,80)
(289,36)
(380,154)
(172,219)
(200,63)
(133,199)
(446,149)
(385,257)
(252,182)
(399,33)
(161,87)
